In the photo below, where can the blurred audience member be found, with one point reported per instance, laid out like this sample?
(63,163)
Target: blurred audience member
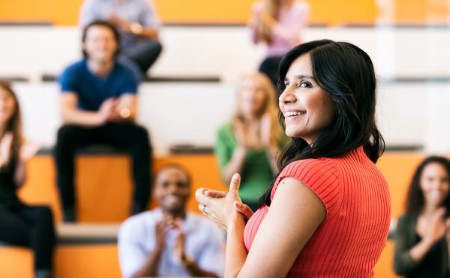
(138,24)
(250,143)
(279,24)
(98,105)
(423,232)
(21,224)
(168,240)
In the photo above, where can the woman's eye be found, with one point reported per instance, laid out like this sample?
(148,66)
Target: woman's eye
(286,83)
(304,84)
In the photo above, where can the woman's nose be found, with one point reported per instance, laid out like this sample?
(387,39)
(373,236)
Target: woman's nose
(287,96)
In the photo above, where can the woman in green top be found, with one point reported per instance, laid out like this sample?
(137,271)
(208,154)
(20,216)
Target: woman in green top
(423,232)
(251,141)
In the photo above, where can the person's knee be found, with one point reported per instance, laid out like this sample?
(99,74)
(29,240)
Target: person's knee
(153,47)
(65,133)
(141,134)
(158,47)
(44,214)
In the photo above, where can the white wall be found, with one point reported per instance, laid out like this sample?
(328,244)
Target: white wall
(408,113)
(227,51)
(191,113)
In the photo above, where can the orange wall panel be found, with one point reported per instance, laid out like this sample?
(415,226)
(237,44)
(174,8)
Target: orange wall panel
(60,12)
(235,11)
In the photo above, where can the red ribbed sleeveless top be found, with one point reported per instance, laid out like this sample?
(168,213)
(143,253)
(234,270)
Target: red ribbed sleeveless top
(350,240)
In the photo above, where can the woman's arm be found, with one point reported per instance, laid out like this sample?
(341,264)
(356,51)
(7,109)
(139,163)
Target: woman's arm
(298,19)
(27,151)
(294,215)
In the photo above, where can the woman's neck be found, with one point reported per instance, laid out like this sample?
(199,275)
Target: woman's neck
(283,4)
(429,210)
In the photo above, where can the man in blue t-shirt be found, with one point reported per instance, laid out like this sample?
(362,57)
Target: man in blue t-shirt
(98,105)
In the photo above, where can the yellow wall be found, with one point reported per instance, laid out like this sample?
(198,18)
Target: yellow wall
(65,12)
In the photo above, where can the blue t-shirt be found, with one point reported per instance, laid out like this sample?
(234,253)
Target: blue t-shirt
(91,89)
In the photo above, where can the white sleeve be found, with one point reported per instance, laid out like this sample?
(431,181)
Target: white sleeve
(212,257)
(131,252)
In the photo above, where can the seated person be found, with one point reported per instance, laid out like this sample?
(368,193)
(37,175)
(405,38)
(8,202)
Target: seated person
(21,224)
(98,105)
(423,232)
(168,240)
(250,143)
(138,24)
(279,24)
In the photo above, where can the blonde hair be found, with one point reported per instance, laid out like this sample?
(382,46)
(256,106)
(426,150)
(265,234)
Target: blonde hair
(269,107)
(271,8)
(14,125)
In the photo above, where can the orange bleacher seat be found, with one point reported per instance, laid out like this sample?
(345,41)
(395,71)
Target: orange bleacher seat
(16,262)
(87,261)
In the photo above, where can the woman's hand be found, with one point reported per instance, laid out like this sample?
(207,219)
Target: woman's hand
(266,130)
(436,227)
(28,150)
(5,148)
(219,206)
(240,207)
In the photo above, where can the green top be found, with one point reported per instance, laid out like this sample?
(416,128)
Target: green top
(257,173)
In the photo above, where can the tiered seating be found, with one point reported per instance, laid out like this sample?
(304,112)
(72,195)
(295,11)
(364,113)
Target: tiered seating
(102,199)
(170,109)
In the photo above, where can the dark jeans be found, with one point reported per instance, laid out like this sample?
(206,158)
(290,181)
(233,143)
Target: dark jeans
(141,56)
(269,67)
(128,137)
(30,226)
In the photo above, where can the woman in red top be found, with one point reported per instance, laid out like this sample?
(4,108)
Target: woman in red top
(327,213)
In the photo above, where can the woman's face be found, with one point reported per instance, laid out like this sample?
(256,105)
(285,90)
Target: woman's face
(434,183)
(252,98)
(6,106)
(307,108)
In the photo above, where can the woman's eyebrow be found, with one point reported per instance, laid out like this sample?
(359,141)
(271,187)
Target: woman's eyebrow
(304,76)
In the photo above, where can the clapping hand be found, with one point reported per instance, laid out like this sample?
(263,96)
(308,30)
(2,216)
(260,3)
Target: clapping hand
(5,148)
(119,21)
(107,111)
(220,206)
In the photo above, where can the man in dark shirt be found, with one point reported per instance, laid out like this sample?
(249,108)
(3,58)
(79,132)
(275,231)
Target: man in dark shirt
(98,105)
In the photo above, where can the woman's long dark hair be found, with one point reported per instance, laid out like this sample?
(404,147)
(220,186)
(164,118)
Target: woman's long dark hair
(345,72)
(415,201)
(14,125)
